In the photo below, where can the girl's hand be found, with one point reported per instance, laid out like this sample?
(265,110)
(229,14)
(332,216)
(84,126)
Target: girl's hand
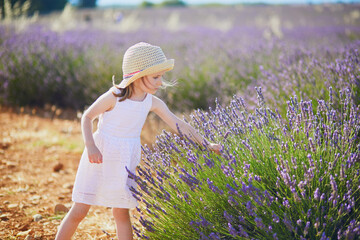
(215,148)
(94,154)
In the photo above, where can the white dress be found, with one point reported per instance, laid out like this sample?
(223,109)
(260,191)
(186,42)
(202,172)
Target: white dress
(118,139)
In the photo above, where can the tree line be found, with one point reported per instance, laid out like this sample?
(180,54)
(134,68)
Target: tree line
(43,6)
(46,6)
(166,3)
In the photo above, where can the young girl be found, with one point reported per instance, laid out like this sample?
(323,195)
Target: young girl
(102,178)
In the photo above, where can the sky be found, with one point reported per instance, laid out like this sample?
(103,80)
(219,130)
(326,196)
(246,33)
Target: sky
(136,2)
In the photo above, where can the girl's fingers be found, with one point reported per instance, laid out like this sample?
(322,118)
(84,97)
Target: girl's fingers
(98,159)
(216,148)
(95,159)
(92,159)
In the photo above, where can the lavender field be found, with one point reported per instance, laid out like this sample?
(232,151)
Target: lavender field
(277,86)
(68,59)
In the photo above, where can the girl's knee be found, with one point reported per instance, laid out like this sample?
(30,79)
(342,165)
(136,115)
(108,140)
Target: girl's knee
(78,211)
(121,214)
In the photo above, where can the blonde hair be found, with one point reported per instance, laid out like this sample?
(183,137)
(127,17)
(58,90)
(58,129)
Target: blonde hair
(166,83)
(127,92)
(124,93)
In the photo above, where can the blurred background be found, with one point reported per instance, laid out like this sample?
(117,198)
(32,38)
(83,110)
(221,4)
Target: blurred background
(63,53)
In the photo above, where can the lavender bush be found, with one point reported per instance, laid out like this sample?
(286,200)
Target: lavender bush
(294,177)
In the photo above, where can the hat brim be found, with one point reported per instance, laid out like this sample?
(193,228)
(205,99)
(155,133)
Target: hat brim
(164,66)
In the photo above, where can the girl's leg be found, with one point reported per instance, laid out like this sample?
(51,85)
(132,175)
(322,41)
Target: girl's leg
(123,223)
(69,224)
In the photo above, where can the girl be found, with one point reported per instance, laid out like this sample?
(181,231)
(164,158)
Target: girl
(102,178)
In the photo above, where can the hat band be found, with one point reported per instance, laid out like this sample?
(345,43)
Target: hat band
(131,74)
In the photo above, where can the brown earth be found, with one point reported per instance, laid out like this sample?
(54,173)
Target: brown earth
(39,156)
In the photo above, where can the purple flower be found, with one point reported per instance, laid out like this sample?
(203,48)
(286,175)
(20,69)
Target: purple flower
(147,224)
(308,213)
(213,187)
(288,224)
(214,236)
(333,185)
(250,208)
(306,229)
(242,232)
(322,197)
(232,201)
(203,237)
(317,224)
(298,222)
(232,230)
(259,223)
(228,217)
(275,218)
(204,222)
(317,194)
(191,181)
(286,203)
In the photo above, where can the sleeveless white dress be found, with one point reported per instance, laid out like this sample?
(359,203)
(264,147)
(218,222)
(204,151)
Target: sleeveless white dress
(118,139)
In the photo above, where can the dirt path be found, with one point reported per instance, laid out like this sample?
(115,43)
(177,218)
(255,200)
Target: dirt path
(38,163)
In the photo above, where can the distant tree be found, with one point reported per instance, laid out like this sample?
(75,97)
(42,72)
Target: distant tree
(42,6)
(173,3)
(49,5)
(87,3)
(146,4)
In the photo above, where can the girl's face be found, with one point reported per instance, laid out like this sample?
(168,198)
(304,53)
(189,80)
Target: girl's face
(150,83)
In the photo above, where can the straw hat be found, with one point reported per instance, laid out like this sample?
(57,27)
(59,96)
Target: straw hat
(143,59)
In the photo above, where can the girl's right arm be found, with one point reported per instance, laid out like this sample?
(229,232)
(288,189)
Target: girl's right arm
(104,103)
(160,108)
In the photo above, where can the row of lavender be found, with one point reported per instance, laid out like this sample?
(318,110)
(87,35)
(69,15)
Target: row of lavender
(70,69)
(293,177)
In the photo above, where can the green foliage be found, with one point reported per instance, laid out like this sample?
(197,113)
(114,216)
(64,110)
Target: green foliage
(45,6)
(170,3)
(32,6)
(173,3)
(147,4)
(87,3)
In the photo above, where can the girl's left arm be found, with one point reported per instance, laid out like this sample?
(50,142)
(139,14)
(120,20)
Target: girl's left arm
(160,108)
